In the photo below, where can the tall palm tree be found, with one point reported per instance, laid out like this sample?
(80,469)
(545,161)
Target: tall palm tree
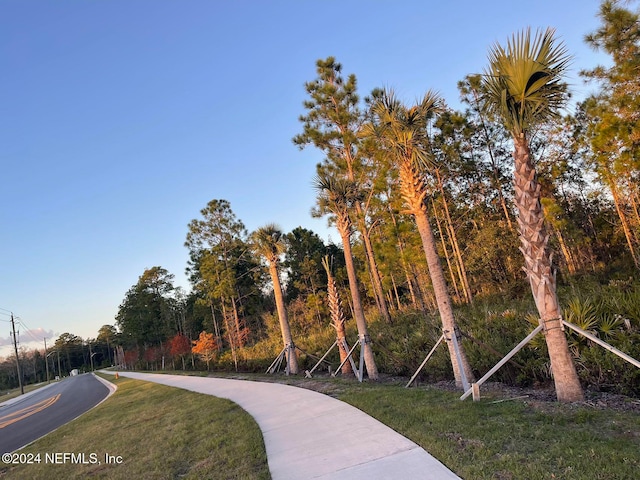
(337,195)
(524,88)
(403,132)
(268,241)
(337,316)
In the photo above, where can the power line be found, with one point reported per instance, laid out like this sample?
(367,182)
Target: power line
(28,330)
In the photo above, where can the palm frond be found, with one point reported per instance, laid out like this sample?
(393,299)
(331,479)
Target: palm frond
(268,241)
(523,83)
(401,129)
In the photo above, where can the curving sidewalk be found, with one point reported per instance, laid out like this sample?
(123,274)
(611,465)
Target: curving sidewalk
(309,435)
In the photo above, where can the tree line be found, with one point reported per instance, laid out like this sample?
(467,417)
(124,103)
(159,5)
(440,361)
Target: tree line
(439,210)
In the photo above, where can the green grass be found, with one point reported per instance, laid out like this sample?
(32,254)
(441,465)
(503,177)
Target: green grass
(163,432)
(160,432)
(509,440)
(496,439)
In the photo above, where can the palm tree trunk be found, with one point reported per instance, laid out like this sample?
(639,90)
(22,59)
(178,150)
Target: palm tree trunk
(292,359)
(537,257)
(414,193)
(337,318)
(443,299)
(358,313)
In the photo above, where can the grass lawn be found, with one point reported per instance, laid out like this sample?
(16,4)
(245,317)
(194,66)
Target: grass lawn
(168,433)
(516,439)
(520,439)
(160,433)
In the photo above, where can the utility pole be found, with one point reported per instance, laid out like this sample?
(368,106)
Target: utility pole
(15,347)
(59,371)
(46,358)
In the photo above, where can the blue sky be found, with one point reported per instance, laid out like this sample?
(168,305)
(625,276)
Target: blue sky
(120,120)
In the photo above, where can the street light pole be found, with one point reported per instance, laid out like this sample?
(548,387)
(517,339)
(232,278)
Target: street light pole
(91,356)
(52,362)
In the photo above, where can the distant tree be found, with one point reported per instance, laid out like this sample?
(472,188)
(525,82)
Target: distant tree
(612,115)
(71,348)
(179,346)
(489,141)
(305,278)
(524,87)
(145,316)
(303,262)
(107,334)
(218,264)
(205,347)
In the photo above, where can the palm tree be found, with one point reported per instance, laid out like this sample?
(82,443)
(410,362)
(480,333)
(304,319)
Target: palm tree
(337,195)
(337,316)
(403,132)
(268,241)
(524,88)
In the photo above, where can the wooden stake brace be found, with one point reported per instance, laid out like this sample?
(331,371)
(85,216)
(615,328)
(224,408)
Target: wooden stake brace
(277,363)
(424,362)
(345,346)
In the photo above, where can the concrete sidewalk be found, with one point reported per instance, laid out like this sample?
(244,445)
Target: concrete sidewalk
(309,435)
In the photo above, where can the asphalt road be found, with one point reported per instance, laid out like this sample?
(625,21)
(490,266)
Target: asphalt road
(48,408)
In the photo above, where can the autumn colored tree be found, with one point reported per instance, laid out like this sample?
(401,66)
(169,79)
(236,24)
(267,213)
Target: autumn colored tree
(179,346)
(152,355)
(205,347)
(130,358)
(218,257)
